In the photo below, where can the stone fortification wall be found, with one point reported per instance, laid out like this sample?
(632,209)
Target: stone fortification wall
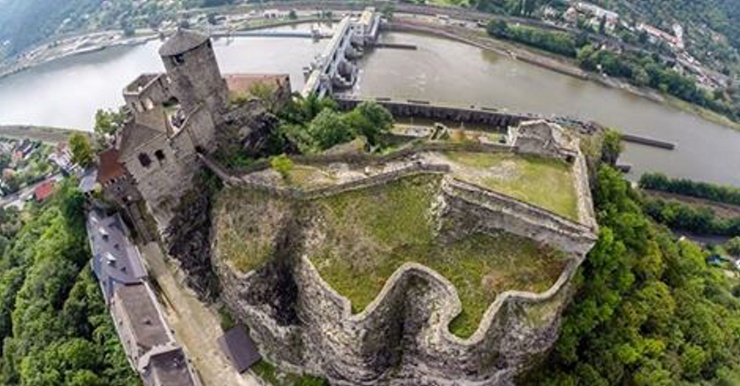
(308,194)
(480,208)
(402,337)
(166,179)
(147,91)
(373,159)
(488,116)
(425,109)
(586,215)
(201,128)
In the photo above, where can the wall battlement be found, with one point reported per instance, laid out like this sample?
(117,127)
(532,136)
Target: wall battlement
(405,330)
(403,336)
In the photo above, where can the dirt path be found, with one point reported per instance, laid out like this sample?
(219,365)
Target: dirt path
(196,326)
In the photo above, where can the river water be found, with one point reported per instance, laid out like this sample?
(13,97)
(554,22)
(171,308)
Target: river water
(67,92)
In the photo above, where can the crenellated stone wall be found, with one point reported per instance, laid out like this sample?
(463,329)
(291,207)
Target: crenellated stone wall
(402,337)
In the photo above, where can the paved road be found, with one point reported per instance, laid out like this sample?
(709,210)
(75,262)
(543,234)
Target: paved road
(18,198)
(196,326)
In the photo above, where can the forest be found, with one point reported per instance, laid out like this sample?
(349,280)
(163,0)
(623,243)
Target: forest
(648,310)
(54,324)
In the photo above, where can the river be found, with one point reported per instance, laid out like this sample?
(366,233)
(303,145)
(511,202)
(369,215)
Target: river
(67,92)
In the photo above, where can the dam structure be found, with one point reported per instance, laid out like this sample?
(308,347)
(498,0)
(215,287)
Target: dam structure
(334,69)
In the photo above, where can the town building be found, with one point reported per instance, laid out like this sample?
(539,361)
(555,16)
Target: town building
(610,18)
(655,35)
(150,346)
(44,191)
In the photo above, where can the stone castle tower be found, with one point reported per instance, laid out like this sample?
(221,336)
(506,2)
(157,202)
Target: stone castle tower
(193,72)
(175,116)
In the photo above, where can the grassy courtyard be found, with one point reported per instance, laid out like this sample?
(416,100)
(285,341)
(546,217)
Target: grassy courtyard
(370,233)
(546,183)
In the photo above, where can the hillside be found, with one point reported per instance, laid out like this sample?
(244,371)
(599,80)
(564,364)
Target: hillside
(53,320)
(711,27)
(649,310)
(25,22)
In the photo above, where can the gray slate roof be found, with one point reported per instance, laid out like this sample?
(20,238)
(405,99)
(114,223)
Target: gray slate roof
(146,323)
(182,41)
(116,262)
(170,369)
(239,348)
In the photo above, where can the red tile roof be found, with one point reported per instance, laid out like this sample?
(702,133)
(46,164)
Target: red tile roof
(43,191)
(109,167)
(242,83)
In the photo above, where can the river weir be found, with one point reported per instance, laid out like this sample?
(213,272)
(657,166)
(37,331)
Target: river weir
(67,92)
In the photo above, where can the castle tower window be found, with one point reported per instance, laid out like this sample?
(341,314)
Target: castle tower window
(144,160)
(159,154)
(178,60)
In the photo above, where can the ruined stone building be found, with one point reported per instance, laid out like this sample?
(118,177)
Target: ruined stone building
(176,115)
(543,138)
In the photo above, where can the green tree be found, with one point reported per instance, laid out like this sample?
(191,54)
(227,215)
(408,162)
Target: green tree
(292,15)
(387,11)
(329,128)
(5,160)
(82,153)
(733,246)
(602,25)
(266,93)
(611,147)
(283,165)
(107,124)
(497,28)
(371,120)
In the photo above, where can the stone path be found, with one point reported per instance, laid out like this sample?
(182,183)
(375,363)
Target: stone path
(196,327)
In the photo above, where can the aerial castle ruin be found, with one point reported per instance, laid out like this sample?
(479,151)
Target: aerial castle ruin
(297,317)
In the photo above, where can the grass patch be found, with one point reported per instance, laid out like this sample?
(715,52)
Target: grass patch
(226,320)
(546,183)
(270,374)
(309,177)
(247,223)
(370,233)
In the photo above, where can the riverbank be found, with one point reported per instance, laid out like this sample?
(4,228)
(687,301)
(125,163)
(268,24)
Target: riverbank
(72,46)
(478,38)
(51,135)
(98,41)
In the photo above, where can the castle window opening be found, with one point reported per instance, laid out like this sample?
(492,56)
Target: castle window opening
(160,155)
(144,160)
(178,60)
(148,104)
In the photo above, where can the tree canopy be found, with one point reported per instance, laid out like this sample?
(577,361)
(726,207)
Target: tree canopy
(82,152)
(53,320)
(648,310)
